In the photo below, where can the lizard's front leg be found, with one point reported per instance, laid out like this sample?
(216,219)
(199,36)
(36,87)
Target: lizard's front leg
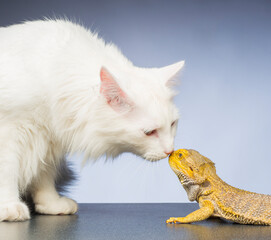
(203,213)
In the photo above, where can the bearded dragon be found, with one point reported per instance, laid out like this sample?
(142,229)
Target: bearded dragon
(216,198)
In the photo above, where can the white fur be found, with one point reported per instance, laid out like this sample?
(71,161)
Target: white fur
(51,104)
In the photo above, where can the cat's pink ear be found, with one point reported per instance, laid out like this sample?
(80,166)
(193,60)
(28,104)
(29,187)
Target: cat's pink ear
(114,95)
(170,73)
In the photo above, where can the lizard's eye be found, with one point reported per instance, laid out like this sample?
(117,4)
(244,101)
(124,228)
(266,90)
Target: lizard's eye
(180,155)
(191,169)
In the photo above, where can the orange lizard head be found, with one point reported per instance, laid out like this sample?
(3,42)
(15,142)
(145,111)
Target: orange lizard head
(190,166)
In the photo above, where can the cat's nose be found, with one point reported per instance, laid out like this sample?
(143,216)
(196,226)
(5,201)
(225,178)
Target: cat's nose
(168,153)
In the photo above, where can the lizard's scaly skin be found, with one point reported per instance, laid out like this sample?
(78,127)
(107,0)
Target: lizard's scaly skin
(215,197)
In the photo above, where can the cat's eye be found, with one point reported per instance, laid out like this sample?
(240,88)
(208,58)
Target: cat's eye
(191,169)
(150,133)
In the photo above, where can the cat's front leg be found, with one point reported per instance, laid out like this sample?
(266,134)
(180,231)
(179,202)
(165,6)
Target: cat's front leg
(11,208)
(46,198)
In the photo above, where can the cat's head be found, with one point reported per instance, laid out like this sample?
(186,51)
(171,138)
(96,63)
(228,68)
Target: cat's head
(139,104)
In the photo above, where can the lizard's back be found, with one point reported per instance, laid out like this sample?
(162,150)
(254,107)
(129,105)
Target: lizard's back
(242,206)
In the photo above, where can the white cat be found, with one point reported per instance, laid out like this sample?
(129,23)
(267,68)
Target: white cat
(63,90)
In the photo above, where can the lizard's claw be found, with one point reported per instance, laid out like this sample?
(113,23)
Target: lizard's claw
(171,220)
(177,220)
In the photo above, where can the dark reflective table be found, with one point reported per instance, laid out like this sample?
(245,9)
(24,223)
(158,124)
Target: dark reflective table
(129,221)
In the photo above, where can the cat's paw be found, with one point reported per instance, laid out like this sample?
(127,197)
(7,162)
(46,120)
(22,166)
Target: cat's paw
(59,206)
(14,211)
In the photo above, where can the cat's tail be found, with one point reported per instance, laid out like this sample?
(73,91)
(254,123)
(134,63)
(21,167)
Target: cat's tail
(66,177)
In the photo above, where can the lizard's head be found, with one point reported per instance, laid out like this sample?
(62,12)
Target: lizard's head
(191,167)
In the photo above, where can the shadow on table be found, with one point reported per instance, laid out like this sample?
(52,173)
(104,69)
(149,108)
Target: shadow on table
(219,229)
(40,227)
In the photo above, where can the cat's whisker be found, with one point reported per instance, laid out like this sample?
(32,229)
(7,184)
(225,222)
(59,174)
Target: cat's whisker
(135,172)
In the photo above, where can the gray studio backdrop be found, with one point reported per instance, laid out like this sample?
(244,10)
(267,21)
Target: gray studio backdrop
(224,96)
